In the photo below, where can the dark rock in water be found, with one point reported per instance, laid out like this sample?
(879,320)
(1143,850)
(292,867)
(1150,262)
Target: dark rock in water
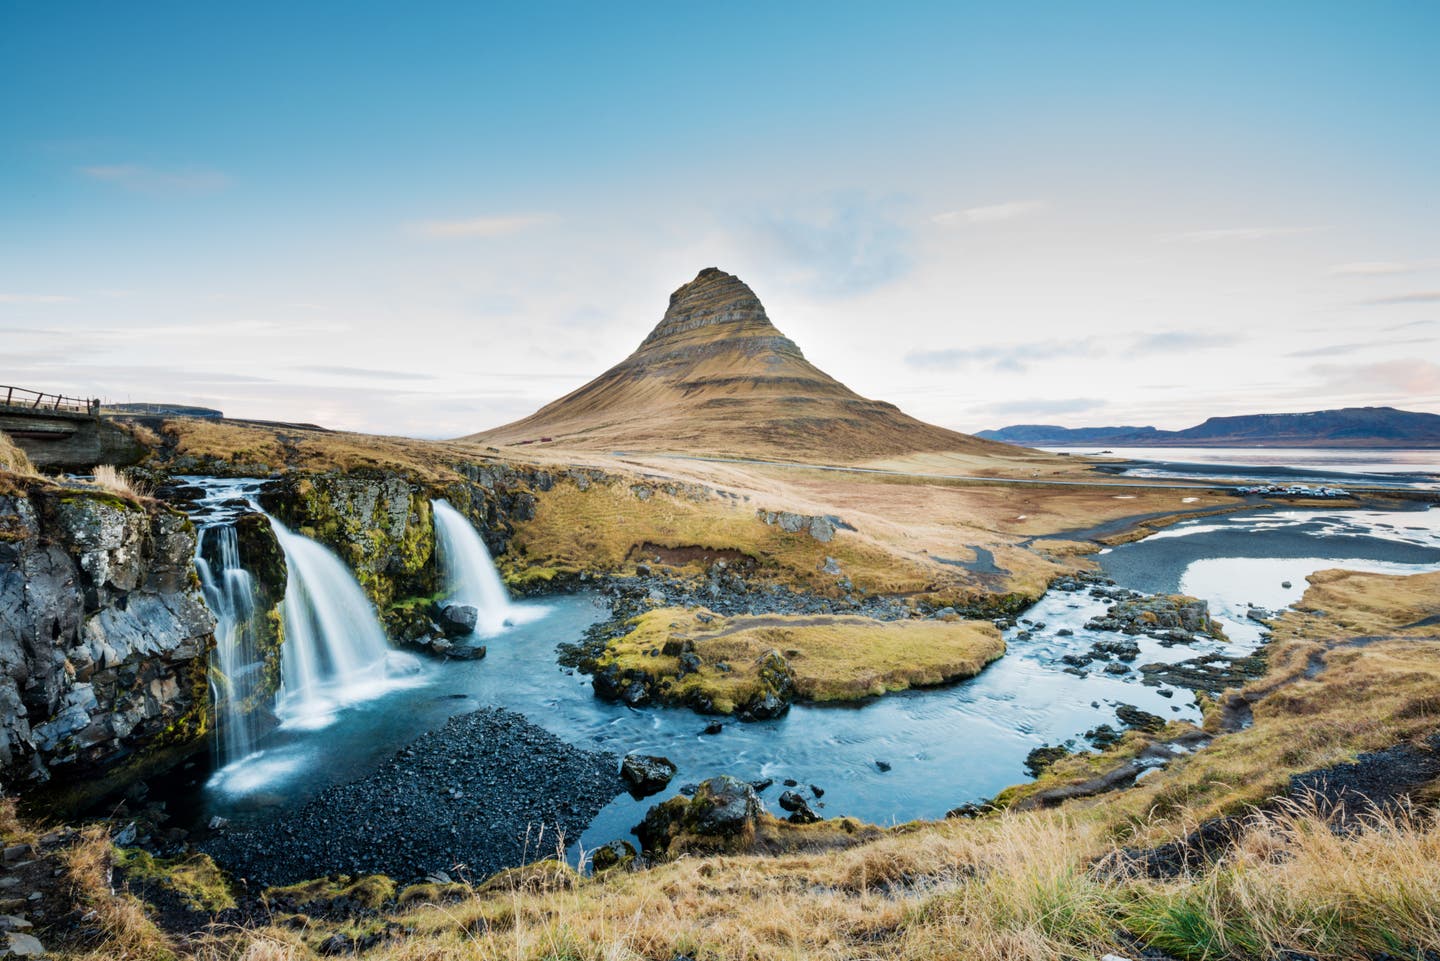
(721,816)
(458,620)
(489,790)
(646,774)
(883,766)
(1103,737)
(616,854)
(1131,716)
(714,727)
(790,801)
(1041,758)
(1211,673)
(817,791)
(762,785)
(799,808)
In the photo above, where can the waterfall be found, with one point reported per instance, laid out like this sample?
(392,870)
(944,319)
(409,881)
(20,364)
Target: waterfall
(335,652)
(235,663)
(469,573)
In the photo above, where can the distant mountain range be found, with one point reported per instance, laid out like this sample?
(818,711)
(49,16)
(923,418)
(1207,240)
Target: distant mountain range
(1347,427)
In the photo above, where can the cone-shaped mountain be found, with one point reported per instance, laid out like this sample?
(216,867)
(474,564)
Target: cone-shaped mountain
(716,376)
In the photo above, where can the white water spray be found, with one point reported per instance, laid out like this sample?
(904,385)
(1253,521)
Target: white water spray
(335,652)
(230,591)
(470,576)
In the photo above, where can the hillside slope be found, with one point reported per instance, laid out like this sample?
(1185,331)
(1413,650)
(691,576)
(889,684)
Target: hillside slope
(716,377)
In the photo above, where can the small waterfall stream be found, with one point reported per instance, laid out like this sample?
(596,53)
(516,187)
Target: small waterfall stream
(335,652)
(235,664)
(470,576)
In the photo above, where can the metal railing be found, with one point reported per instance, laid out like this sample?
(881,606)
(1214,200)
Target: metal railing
(33,400)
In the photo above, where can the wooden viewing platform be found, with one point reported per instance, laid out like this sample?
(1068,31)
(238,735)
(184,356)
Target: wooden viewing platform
(64,433)
(24,399)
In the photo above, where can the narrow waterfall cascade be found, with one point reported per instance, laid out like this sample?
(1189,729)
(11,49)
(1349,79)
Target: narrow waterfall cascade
(470,576)
(335,651)
(235,663)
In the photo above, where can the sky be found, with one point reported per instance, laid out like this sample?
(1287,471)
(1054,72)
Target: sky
(431,218)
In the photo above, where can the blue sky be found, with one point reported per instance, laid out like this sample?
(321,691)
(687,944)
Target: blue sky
(430,218)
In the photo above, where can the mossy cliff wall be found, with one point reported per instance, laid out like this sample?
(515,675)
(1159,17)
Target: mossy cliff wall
(104,638)
(381,525)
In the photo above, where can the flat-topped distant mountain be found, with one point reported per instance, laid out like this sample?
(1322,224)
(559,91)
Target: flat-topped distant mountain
(716,376)
(1346,427)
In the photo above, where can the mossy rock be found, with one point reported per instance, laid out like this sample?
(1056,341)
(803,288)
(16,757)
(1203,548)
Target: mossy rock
(195,878)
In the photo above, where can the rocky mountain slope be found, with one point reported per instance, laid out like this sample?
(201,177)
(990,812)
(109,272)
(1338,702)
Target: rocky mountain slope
(1345,427)
(716,376)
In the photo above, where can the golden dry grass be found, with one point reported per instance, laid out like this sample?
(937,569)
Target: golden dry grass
(832,658)
(13,459)
(121,483)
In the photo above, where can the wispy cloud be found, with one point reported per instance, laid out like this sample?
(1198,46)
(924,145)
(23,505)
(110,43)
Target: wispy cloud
(1340,350)
(1166,341)
(494,226)
(150,180)
(1010,358)
(840,245)
(1071,405)
(35,299)
(364,372)
(1411,378)
(1415,297)
(1371,268)
(991,213)
(1237,233)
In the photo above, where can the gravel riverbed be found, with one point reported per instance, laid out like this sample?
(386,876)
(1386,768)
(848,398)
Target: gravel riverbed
(487,791)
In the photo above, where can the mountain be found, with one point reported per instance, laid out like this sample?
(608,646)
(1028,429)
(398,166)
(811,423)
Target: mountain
(716,376)
(1346,427)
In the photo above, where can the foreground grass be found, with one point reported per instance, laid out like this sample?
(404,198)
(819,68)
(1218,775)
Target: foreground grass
(1016,887)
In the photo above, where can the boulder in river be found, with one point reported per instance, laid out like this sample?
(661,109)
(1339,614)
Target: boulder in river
(799,808)
(720,817)
(458,620)
(646,774)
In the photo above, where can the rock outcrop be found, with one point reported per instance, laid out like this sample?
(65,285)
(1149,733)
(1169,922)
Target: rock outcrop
(104,636)
(720,817)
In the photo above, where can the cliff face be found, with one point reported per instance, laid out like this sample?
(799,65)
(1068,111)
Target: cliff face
(381,525)
(104,635)
(716,376)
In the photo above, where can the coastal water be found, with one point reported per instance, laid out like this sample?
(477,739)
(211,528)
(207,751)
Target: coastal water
(943,747)
(1418,469)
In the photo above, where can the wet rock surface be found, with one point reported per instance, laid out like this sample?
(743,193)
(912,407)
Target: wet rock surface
(720,816)
(104,635)
(487,791)
(646,774)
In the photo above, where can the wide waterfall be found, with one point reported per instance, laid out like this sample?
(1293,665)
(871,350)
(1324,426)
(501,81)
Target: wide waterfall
(335,652)
(470,576)
(230,591)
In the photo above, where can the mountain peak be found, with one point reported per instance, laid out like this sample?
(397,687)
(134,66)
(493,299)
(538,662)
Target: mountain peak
(714,307)
(716,376)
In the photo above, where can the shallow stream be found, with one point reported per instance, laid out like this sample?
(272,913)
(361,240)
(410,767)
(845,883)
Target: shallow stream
(943,746)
